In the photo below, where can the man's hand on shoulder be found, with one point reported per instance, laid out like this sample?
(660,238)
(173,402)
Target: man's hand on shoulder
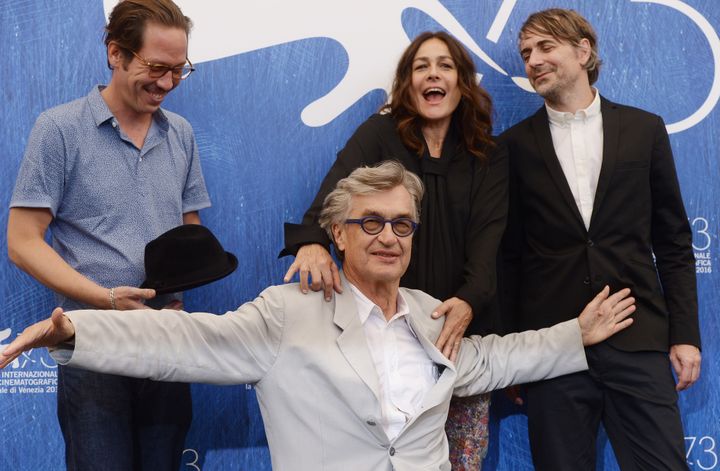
(685,360)
(48,333)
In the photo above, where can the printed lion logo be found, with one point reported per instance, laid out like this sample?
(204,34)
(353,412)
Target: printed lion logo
(372,52)
(372,34)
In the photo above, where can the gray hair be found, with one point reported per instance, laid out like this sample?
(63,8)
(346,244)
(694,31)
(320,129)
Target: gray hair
(366,181)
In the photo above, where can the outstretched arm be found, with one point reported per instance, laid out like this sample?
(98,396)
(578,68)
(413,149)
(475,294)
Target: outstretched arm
(48,333)
(165,345)
(492,362)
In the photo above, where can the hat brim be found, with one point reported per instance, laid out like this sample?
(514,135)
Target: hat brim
(185,281)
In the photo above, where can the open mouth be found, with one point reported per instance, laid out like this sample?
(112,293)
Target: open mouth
(155,93)
(434,94)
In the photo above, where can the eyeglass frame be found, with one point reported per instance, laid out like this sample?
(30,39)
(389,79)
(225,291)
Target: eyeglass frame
(166,68)
(361,223)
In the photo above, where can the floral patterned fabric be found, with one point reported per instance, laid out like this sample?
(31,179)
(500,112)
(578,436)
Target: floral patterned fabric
(468,431)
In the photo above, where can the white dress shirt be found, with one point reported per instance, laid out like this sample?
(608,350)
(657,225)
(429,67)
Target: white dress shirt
(578,141)
(405,371)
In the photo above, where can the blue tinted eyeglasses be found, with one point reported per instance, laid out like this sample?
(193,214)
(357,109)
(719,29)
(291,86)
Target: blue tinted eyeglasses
(374,225)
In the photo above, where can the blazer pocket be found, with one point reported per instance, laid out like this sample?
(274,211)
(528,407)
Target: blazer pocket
(631,164)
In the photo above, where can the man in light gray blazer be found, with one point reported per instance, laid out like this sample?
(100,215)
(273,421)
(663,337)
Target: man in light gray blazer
(352,383)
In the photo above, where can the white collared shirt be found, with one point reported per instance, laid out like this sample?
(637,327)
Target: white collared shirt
(578,141)
(405,371)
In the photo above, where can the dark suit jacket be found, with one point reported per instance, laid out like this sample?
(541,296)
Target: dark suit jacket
(553,266)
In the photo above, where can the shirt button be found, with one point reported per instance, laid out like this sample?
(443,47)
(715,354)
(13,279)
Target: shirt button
(590,243)
(586,280)
(391,451)
(371,422)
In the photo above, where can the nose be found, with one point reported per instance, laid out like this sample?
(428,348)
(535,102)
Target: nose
(166,82)
(534,59)
(387,236)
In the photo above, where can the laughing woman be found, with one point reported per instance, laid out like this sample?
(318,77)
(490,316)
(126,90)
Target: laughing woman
(438,125)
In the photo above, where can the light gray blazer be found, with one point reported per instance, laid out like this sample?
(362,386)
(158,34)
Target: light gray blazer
(315,379)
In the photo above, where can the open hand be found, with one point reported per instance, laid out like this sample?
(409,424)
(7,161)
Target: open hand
(606,315)
(47,333)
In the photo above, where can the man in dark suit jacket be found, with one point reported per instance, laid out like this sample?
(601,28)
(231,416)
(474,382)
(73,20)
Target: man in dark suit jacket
(595,200)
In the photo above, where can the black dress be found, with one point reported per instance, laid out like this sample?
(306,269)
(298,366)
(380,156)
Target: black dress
(463,215)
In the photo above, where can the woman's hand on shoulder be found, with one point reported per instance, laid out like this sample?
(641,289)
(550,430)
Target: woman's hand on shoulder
(458,314)
(317,270)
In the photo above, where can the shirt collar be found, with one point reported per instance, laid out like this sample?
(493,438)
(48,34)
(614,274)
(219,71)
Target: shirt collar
(98,107)
(563,117)
(365,307)
(101,113)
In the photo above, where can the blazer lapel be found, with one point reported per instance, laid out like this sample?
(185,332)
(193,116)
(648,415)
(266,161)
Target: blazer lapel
(611,138)
(446,381)
(352,342)
(420,328)
(541,128)
(426,330)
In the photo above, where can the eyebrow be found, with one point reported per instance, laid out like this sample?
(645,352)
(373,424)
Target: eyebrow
(427,59)
(153,62)
(540,43)
(370,212)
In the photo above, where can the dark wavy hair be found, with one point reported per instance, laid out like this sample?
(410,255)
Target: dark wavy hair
(473,116)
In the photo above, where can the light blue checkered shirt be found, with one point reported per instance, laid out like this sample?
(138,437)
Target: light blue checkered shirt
(108,198)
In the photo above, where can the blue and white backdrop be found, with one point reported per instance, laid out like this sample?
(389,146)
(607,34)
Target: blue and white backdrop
(280,85)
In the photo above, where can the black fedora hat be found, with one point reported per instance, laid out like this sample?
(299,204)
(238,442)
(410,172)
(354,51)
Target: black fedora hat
(185,257)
